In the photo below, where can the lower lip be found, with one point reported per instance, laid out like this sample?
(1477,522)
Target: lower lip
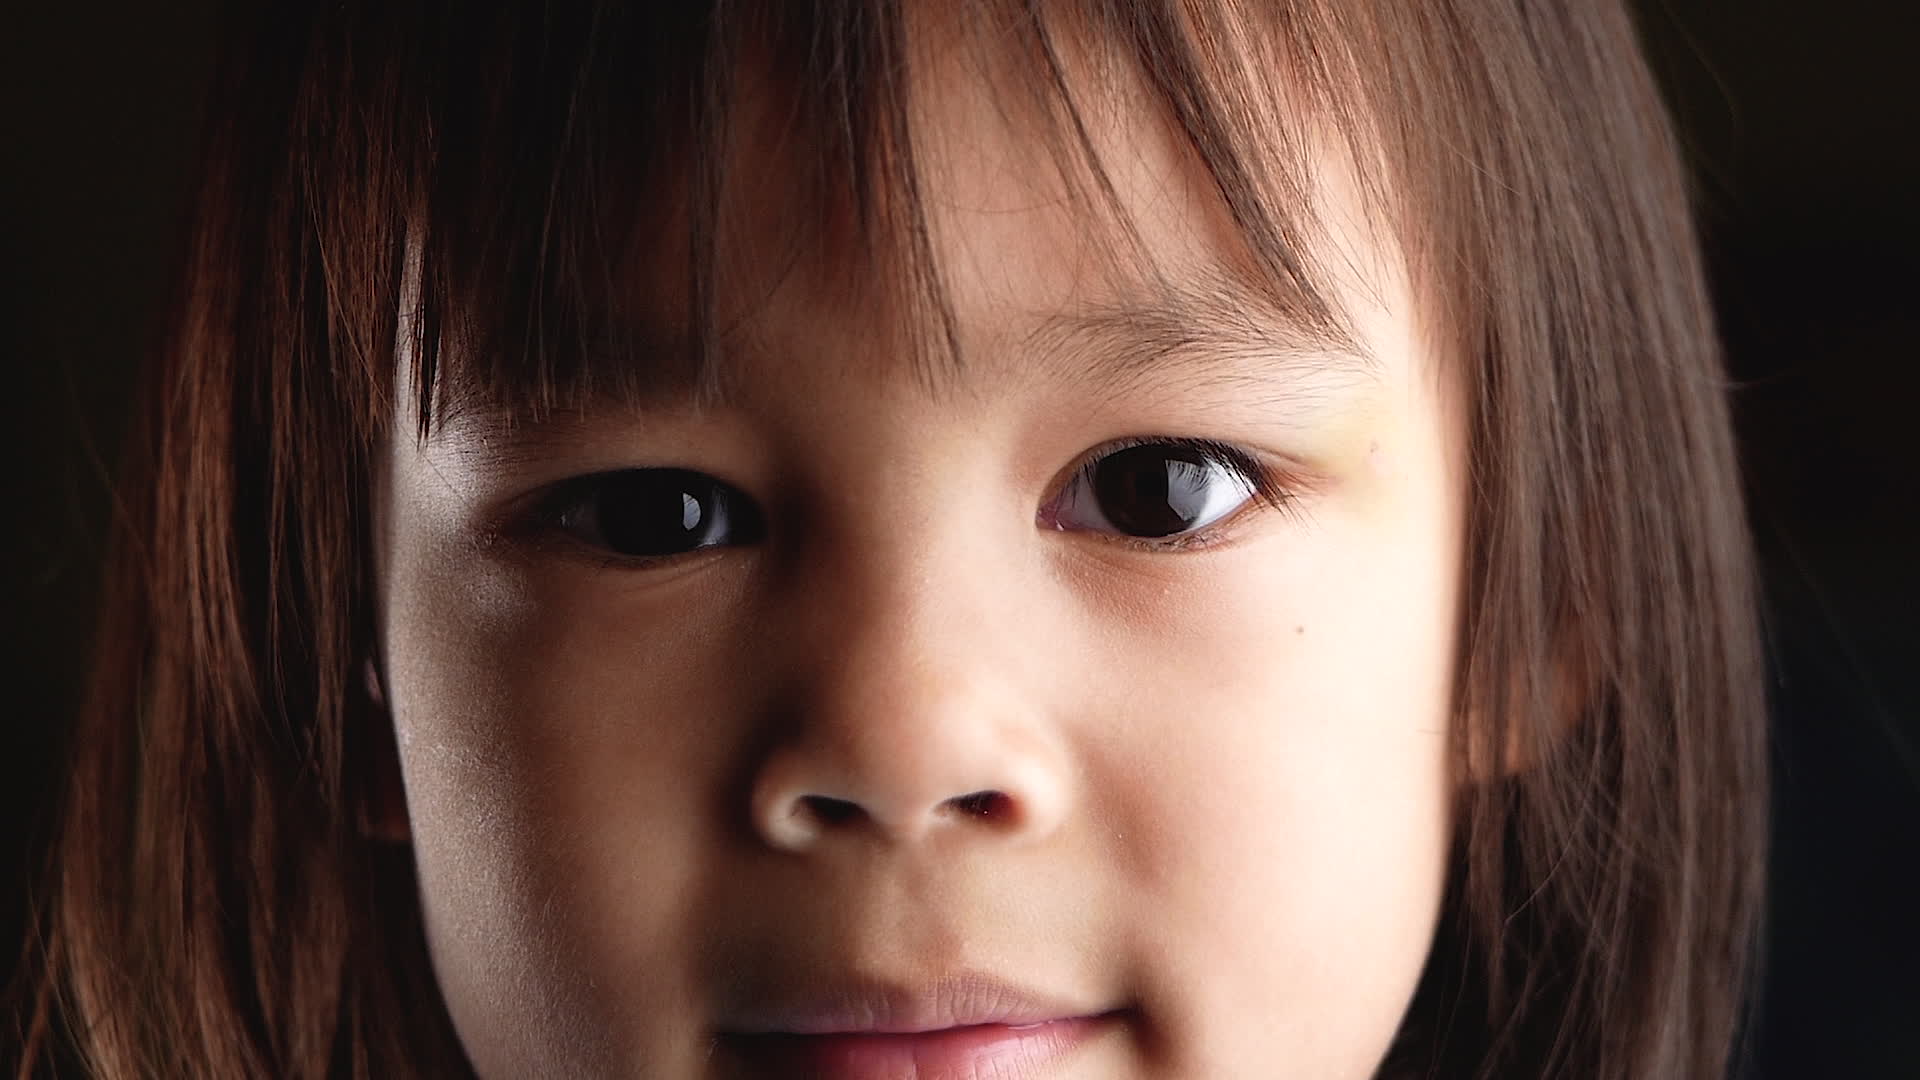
(955,1052)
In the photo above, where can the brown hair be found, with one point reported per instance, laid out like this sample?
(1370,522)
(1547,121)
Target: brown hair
(216,907)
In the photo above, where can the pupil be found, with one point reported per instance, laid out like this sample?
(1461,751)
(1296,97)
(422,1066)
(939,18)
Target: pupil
(661,513)
(1151,490)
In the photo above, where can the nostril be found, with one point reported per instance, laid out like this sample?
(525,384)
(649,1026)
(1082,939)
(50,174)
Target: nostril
(829,810)
(982,804)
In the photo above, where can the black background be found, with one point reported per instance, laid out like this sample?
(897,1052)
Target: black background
(1800,120)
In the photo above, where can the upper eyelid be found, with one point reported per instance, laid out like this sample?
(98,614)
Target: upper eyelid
(1244,463)
(1268,484)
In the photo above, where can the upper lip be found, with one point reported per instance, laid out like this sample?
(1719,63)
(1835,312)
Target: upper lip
(865,1005)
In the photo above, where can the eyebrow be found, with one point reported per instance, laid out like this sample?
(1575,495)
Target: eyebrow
(1215,339)
(1209,339)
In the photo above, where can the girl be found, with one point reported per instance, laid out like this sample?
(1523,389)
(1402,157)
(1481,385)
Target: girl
(869,539)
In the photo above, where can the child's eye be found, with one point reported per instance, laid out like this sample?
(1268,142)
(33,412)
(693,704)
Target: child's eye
(1163,493)
(1167,491)
(652,513)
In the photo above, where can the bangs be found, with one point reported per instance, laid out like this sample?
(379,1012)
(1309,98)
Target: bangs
(577,167)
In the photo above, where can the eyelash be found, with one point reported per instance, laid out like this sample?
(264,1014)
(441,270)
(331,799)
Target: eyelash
(1260,483)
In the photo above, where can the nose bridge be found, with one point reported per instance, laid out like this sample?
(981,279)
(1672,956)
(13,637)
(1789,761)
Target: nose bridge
(913,705)
(913,589)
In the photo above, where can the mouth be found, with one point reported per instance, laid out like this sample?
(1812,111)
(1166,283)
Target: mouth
(962,1026)
(973,1050)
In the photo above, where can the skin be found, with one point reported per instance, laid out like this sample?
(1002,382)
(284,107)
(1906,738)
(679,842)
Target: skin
(1221,771)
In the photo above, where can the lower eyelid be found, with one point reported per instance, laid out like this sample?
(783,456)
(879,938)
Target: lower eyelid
(1218,534)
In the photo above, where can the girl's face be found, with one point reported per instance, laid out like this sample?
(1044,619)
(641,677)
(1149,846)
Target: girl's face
(969,699)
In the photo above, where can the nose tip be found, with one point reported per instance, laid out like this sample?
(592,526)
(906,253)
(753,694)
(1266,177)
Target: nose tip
(906,704)
(795,815)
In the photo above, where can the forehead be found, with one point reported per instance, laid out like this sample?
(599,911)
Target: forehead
(1006,190)
(1020,220)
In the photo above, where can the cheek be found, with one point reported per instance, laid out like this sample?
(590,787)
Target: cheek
(556,788)
(1290,839)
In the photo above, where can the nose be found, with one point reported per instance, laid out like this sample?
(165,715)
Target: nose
(920,715)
